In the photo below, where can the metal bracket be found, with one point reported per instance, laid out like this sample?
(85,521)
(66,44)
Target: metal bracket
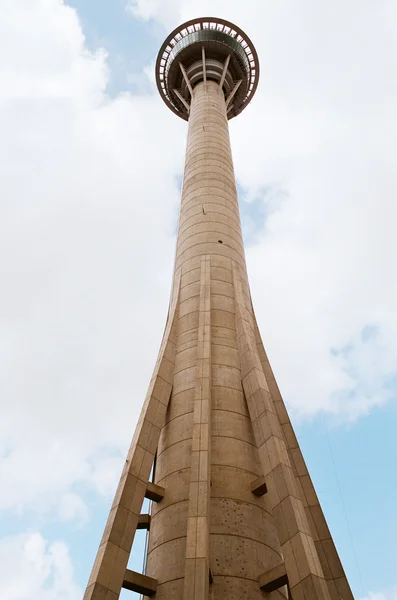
(186,78)
(234,90)
(182,99)
(225,66)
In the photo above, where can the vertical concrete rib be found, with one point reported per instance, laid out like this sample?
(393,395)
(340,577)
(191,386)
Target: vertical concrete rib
(112,557)
(198,519)
(305,574)
(334,574)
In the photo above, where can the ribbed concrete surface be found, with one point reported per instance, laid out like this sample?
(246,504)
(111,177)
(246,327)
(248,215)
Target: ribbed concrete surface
(215,417)
(243,538)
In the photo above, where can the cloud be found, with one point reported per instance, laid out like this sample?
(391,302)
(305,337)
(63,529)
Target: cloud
(88,203)
(387,595)
(316,147)
(168,13)
(33,569)
(89,197)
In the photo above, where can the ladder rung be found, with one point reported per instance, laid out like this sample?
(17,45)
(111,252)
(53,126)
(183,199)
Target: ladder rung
(141,584)
(143,522)
(154,492)
(273,579)
(259,487)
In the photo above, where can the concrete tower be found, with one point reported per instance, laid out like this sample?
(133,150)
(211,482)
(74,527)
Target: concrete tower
(234,513)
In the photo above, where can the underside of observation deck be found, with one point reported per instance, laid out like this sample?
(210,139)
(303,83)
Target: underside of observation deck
(207,49)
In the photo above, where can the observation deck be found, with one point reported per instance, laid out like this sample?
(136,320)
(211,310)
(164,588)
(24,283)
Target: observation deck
(207,49)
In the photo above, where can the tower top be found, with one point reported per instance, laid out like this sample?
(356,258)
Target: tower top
(207,49)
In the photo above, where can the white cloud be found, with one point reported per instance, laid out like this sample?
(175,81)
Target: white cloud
(88,201)
(71,507)
(166,12)
(321,130)
(387,595)
(84,222)
(33,569)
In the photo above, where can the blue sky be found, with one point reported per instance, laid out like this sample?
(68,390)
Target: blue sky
(319,257)
(130,46)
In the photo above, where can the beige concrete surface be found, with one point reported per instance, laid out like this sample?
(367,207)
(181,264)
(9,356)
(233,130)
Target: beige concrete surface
(238,501)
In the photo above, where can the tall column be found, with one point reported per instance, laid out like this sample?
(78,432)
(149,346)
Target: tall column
(209,220)
(209,518)
(235,514)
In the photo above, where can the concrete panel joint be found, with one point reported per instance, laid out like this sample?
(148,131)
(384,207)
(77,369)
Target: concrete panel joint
(141,584)
(154,492)
(259,487)
(273,579)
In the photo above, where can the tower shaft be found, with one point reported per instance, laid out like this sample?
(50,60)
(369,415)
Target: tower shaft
(226,423)
(207,456)
(234,511)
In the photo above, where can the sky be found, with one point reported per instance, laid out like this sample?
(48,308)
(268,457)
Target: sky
(90,169)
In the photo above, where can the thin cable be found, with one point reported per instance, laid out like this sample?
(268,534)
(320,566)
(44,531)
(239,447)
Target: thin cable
(344,507)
